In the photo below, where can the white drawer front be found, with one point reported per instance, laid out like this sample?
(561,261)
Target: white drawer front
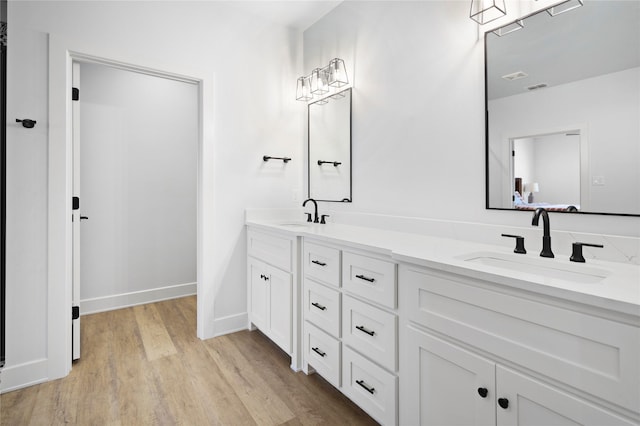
(596,355)
(322,352)
(322,263)
(276,251)
(371,278)
(371,331)
(369,386)
(322,307)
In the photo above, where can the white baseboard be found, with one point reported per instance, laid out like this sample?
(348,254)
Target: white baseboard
(230,324)
(20,376)
(125,300)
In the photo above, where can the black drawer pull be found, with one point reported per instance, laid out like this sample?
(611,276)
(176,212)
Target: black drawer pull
(362,277)
(366,387)
(503,403)
(264,277)
(483,392)
(317,262)
(319,352)
(364,330)
(319,306)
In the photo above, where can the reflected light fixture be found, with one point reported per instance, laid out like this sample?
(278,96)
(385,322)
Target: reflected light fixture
(323,81)
(509,28)
(564,7)
(483,11)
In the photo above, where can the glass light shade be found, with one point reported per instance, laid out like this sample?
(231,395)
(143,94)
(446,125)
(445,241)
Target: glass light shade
(564,7)
(303,90)
(483,11)
(337,73)
(319,81)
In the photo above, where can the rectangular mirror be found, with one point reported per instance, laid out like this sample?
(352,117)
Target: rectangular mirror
(330,148)
(562,108)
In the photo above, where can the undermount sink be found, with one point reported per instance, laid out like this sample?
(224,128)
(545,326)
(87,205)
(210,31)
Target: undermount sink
(297,224)
(549,268)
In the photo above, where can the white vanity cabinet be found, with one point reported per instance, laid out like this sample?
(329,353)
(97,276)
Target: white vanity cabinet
(351,324)
(272,295)
(477,353)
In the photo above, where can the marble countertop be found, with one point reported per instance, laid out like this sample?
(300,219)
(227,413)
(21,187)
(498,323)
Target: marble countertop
(608,285)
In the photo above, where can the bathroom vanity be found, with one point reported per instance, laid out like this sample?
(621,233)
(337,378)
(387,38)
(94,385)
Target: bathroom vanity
(422,330)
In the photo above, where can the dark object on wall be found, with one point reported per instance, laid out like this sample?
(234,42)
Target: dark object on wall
(3,171)
(267,158)
(26,122)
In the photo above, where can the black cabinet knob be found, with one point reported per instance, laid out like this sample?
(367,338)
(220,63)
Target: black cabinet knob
(483,392)
(503,402)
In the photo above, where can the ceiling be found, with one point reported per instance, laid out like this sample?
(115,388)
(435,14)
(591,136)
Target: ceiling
(297,14)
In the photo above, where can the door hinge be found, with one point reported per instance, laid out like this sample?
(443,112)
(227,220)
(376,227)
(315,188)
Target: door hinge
(75,203)
(513,153)
(75,94)
(75,312)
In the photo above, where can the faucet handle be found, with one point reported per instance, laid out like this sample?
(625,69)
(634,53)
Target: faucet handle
(323,217)
(576,253)
(308,217)
(519,243)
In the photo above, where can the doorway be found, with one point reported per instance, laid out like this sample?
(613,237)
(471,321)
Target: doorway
(135,162)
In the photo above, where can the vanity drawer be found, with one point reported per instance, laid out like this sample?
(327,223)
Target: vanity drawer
(322,307)
(371,331)
(322,263)
(277,251)
(369,386)
(322,352)
(596,355)
(370,278)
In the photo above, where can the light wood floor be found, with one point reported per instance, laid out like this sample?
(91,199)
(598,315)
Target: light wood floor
(144,365)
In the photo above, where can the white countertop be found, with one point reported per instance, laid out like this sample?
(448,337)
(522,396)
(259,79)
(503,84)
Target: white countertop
(618,291)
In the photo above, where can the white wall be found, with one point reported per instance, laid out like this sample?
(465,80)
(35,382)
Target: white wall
(139,159)
(253,64)
(418,112)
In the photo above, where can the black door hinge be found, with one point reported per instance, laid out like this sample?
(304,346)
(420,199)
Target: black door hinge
(75,203)
(513,153)
(75,312)
(75,94)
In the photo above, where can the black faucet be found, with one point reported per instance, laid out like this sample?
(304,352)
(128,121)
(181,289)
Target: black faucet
(315,213)
(546,238)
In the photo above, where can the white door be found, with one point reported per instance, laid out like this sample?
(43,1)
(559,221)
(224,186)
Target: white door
(75,297)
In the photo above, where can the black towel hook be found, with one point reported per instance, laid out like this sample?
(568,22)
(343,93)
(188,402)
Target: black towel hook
(26,122)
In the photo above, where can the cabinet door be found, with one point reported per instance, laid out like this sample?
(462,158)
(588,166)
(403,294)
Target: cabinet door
(280,308)
(259,292)
(529,402)
(443,384)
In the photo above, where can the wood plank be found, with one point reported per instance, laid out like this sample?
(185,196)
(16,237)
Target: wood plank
(156,340)
(238,379)
(264,405)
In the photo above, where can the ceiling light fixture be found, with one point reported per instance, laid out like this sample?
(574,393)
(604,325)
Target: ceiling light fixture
(483,11)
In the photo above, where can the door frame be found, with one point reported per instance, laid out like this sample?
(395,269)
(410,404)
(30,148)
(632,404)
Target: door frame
(62,53)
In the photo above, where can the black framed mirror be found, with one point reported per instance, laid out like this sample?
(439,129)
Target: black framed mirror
(562,108)
(329,148)
(3,172)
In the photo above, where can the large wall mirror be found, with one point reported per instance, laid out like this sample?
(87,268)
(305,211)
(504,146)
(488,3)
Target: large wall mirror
(330,148)
(563,104)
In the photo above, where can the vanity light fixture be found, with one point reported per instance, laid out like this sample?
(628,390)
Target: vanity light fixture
(509,28)
(303,91)
(322,81)
(319,81)
(483,11)
(564,7)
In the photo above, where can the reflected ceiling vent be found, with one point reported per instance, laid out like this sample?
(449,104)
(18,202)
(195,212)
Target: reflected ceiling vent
(515,75)
(537,86)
